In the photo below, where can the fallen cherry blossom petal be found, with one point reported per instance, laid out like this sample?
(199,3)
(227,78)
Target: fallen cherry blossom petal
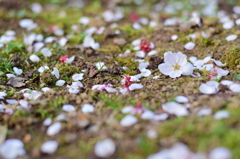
(128,120)
(54,129)
(87,108)
(49,147)
(175,108)
(68,108)
(221,114)
(104,148)
(189,45)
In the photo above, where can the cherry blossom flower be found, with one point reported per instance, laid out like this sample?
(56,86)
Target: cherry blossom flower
(127,81)
(104,87)
(63,58)
(134,17)
(175,65)
(145,46)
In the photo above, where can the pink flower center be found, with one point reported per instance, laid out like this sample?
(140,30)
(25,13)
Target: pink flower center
(63,58)
(134,17)
(145,46)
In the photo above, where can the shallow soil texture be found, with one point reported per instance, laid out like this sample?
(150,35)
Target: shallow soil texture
(119,79)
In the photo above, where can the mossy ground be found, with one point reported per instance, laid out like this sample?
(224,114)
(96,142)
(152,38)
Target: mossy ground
(201,134)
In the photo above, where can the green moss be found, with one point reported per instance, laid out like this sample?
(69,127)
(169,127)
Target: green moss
(231,57)
(131,64)
(66,71)
(204,42)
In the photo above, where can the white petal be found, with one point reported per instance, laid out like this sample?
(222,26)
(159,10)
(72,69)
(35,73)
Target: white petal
(36,8)
(104,148)
(143,65)
(46,52)
(147,115)
(87,108)
(68,108)
(174,37)
(47,122)
(70,60)
(175,108)
(231,37)
(176,73)
(34,58)
(136,26)
(193,59)
(77,77)
(62,41)
(49,147)
(84,20)
(235,88)
(221,114)
(145,72)
(17,70)
(110,90)
(211,87)
(187,69)
(135,86)
(189,45)
(152,52)
(54,129)
(161,117)
(204,112)
(181,99)
(140,54)
(228,24)
(12,101)
(226,82)
(12,148)
(127,109)
(165,69)
(60,83)
(220,153)
(56,72)
(9,75)
(128,120)
(25,23)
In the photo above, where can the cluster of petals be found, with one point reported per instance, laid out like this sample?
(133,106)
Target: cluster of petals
(129,85)
(142,47)
(104,87)
(181,151)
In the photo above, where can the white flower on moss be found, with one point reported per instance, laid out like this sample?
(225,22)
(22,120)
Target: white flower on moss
(175,65)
